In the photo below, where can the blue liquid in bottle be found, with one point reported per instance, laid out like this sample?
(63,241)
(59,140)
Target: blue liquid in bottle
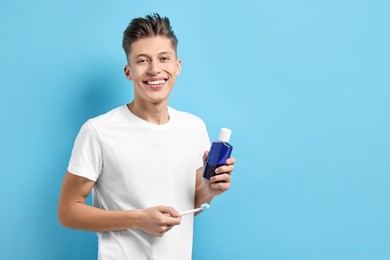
(219,152)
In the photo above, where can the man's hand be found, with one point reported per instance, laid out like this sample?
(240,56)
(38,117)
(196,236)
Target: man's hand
(156,221)
(221,182)
(206,190)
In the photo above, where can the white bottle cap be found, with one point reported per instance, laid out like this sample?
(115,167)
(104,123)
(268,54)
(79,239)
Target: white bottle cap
(224,135)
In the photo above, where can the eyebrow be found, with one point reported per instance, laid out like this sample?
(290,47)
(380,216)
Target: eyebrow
(148,56)
(141,55)
(166,53)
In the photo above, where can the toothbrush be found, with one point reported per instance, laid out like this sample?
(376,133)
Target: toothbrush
(202,207)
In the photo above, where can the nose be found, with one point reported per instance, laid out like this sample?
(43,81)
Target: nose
(154,68)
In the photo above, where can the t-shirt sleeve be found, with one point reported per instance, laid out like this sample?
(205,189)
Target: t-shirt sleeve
(204,145)
(86,159)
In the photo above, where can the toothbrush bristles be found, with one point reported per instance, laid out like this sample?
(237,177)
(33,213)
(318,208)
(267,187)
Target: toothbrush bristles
(205,206)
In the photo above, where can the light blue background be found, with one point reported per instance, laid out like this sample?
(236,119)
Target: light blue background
(303,84)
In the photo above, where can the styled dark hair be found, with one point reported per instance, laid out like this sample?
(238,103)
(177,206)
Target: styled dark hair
(150,26)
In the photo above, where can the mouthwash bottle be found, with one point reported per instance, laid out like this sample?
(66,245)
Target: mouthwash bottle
(219,152)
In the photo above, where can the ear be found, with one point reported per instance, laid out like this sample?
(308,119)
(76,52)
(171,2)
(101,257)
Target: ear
(127,72)
(178,67)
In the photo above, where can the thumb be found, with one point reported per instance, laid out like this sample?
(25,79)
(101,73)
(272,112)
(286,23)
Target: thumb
(169,211)
(205,155)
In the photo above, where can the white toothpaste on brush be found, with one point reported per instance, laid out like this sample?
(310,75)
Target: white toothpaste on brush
(202,207)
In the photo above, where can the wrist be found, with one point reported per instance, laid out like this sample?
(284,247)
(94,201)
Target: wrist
(135,218)
(204,195)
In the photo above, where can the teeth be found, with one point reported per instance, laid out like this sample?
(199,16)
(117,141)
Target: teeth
(157,82)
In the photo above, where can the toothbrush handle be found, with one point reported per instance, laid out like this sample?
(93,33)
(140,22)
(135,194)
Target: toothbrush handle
(190,211)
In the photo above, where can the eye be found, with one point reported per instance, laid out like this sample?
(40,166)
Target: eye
(165,58)
(141,61)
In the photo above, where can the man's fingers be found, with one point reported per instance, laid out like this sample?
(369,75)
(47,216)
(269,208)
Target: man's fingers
(169,211)
(220,182)
(171,217)
(205,155)
(231,161)
(220,178)
(224,169)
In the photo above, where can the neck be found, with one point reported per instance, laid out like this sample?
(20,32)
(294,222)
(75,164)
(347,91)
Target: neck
(153,113)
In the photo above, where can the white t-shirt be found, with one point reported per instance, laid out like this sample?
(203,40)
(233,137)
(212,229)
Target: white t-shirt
(136,165)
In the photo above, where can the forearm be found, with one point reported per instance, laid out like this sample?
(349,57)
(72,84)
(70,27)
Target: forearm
(84,217)
(73,212)
(202,192)
(202,195)
(206,190)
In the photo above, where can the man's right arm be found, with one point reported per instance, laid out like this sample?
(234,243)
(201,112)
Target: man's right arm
(74,213)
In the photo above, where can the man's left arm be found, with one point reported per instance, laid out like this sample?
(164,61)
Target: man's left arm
(206,190)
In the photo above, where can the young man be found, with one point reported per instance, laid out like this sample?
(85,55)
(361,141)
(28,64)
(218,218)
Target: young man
(142,161)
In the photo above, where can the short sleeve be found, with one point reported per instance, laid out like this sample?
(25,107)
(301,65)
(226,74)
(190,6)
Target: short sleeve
(86,159)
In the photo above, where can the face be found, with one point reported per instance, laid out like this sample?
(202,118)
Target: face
(153,67)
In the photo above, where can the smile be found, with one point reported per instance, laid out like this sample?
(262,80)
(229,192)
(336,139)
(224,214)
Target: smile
(155,83)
